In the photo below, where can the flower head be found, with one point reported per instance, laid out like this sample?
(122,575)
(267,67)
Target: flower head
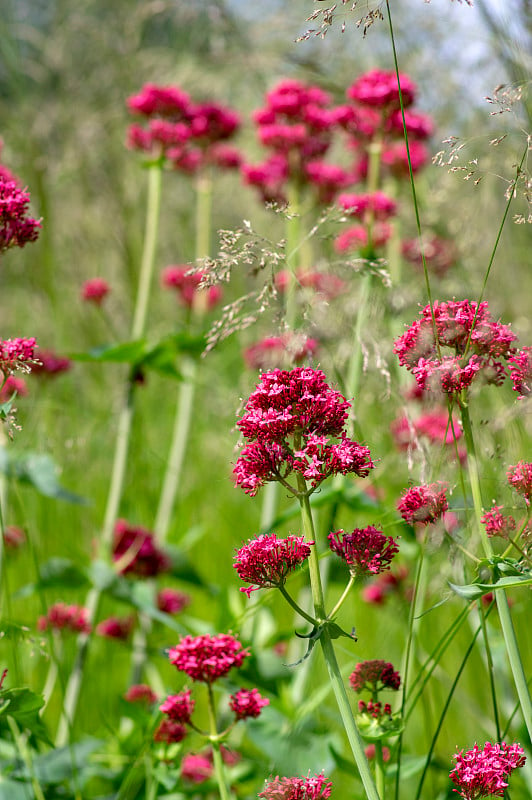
(135,551)
(50,364)
(63,617)
(520,478)
(16,227)
(482,772)
(17,354)
(13,384)
(178,707)
(498,524)
(309,788)
(378,88)
(373,676)
(95,290)
(275,350)
(367,551)
(247,703)
(186,282)
(196,768)
(267,561)
(169,732)
(140,693)
(116,628)
(423,504)
(171,601)
(521,371)
(207,658)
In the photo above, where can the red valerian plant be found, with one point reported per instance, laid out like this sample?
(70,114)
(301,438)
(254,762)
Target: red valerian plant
(423,504)
(373,676)
(498,524)
(95,290)
(482,772)
(309,788)
(247,703)
(61,616)
(135,551)
(186,282)
(17,354)
(289,422)
(179,707)
(207,658)
(16,227)
(520,478)
(267,561)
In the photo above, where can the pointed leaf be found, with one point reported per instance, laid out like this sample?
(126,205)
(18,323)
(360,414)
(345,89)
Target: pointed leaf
(37,470)
(474,591)
(24,705)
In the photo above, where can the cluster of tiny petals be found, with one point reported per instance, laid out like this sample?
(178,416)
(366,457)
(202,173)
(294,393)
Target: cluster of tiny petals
(135,551)
(439,253)
(483,772)
(61,616)
(247,703)
(373,676)
(479,345)
(520,365)
(116,627)
(367,551)
(196,768)
(50,364)
(178,707)
(95,290)
(360,205)
(433,426)
(274,349)
(309,788)
(186,282)
(323,283)
(266,561)
(378,88)
(169,731)
(375,709)
(206,658)
(17,354)
(140,693)
(520,479)
(424,504)
(16,227)
(171,601)
(498,524)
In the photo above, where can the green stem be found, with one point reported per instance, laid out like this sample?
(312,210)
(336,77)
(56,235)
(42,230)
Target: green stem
(73,687)
(491,673)
(289,599)
(340,602)
(503,609)
(293,241)
(25,754)
(219,769)
(379,769)
(335,677)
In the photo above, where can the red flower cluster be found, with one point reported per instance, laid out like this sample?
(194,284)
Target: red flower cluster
(385,585)
(433,426)
(479,346)
(482,772)
(367,551)
(267,561)
(375,709)
(185,281)
(95,290)
(309,788)
(196,768)
(423,504)
(50,364)
(17,354)
(61,616)
(116,628)
(373,676)
(296,124)
(247,703)
(439,253)
(323,283)
(521,371)
(520,478)
(135,551)
(12,384)
(16,227)
(140,693)
(207,658)
(169,732)
(190,135)
(179,707)
(498,524)
(274,350)
(288,421)
(171,601)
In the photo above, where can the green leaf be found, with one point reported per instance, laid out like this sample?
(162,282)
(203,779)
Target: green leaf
(61,764)
(123,353)
(375,730)
(24,705)
(37,470)
(474,591)
(14,790)
(56,573)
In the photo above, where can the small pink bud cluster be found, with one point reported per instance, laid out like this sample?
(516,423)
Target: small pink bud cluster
(439,254)
(95,290)
(207,658)
(296,125)
(479,346)
(17,354)
(172,601)
(273,351)
(373,676)
(16,227)
(189,135)
(483,772)
(309,788)
(520,479)
(498,524)
(520,364)
(267,561)
(289,421)
(140,693)
(367,551)
(116,628)
(424,504)
(185,281)
(375,709)
(64,617)
(50,364)
(135,551)
(323,283)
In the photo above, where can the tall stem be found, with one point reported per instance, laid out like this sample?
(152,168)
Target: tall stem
(353,735)
(503,609)
(293,242)
(73,687)
(219,769)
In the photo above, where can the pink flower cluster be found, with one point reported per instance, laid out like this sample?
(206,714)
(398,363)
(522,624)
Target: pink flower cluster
(498,524)
(439,253)
(95,290)
(373,676)
(367,551)
(482,772)
(12,384)
(172,601)
(179,707)
(424,504)
(520,364)
(267,561)
(17,354)
(60,616)
(274,350)
(309,788)
(520,479)
(247,704)
(140,693)
(433,426)
(296,125)
(189,135)
(288,423)
(135,551)
(50,364)
(480,346)
(186,281)
(16,227)
(207,658)
(323,283)
(116,628)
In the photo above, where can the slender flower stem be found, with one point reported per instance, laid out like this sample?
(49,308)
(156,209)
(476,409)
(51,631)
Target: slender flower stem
(508,631)
(73,687)
(296,607)
(217,759)
(340,602)
(293,242)
(25,754)
(353,735)
(379,768)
